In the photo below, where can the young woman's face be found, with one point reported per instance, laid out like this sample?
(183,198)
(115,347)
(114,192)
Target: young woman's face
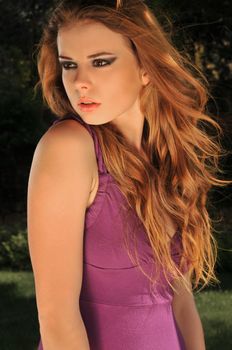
(113,80)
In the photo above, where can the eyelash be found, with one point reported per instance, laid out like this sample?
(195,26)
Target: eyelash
(69,63)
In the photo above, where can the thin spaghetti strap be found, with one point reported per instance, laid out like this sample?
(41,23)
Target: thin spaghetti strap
(101,165)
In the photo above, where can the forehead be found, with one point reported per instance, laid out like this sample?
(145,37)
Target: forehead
(86,36)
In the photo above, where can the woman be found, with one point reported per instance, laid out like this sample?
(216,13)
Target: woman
(117,218)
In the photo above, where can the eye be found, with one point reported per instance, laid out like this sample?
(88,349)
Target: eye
(66,65)
(107,62)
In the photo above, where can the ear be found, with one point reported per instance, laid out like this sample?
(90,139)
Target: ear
(145,79)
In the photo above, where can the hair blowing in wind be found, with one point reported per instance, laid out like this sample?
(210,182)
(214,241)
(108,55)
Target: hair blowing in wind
(178,137)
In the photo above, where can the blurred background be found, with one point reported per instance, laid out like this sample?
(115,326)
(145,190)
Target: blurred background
(202,29)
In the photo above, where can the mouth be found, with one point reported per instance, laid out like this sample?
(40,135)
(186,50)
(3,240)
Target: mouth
(88,107)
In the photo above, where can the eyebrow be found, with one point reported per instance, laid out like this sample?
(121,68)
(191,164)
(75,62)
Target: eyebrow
(90,56)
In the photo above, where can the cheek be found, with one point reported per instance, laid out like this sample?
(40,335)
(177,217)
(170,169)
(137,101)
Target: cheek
(69,92)
(65,82)
(124,81)
(69,89)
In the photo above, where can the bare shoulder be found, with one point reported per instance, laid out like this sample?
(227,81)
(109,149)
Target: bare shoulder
(69,125)
(68,133)
(69,142)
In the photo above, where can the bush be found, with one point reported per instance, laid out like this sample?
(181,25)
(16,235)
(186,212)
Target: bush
(14,252)
(223,235)
(224,261)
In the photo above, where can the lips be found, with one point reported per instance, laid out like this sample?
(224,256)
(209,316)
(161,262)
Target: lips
(88,104)
(88,107)
(86,99)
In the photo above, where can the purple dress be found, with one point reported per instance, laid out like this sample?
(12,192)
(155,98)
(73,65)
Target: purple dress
(118,308)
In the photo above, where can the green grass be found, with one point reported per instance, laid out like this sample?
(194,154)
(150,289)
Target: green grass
(215,309)
(19,328)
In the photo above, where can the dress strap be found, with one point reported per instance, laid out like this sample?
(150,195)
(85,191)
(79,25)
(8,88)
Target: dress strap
(101,165)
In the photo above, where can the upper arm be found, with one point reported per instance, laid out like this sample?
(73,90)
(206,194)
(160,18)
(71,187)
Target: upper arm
(58,190)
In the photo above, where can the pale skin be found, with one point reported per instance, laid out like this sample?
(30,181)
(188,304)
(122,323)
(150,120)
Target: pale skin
(110,85)
(61,179)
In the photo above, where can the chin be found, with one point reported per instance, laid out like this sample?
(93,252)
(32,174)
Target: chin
(94,120)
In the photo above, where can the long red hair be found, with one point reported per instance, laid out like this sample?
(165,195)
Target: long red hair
(178,136)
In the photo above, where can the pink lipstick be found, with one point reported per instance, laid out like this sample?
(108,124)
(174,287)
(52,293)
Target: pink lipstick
(88,107)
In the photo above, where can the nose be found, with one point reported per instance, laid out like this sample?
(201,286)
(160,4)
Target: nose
(82,80)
